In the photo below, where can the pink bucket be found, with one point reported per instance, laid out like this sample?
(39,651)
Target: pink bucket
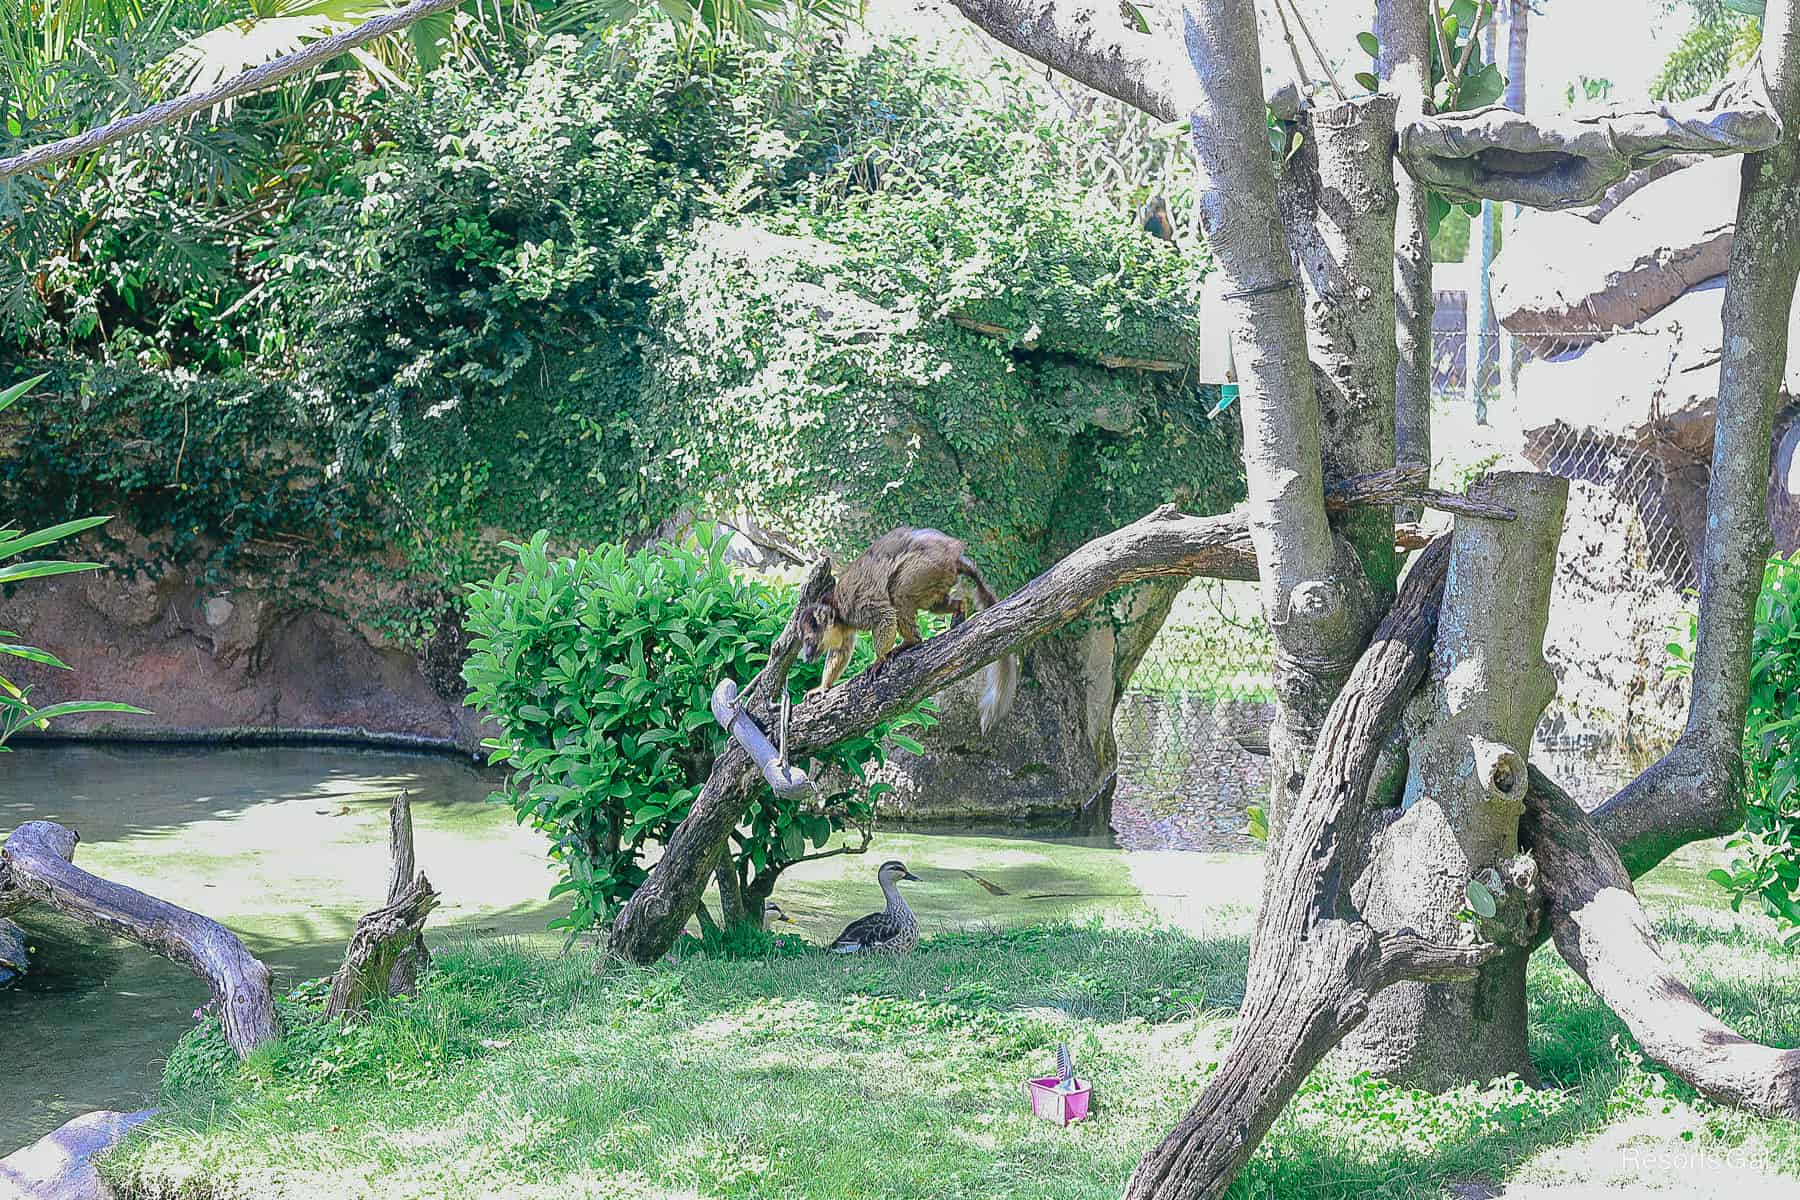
(1062,1107)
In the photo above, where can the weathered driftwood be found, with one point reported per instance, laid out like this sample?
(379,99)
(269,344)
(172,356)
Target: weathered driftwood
(1564,161)
(1315,964)
(382,937)
(411,962)
(36,867)
(1469,730)
(1603,932)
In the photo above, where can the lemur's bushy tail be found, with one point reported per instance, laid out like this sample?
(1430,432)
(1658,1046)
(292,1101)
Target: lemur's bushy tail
(1001,677)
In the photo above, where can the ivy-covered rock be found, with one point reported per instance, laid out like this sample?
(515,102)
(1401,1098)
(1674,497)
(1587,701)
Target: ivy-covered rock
(794,378)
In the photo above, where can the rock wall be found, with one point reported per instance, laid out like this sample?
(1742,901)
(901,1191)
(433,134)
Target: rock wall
(219,664)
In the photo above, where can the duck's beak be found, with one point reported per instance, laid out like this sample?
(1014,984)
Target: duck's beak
(911,876)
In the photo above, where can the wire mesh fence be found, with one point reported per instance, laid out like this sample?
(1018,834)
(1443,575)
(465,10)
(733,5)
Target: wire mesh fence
(1625,568)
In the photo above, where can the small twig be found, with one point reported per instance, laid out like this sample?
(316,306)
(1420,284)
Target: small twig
(1305,76)
(1443,45)
(1482,16)
(1330,76)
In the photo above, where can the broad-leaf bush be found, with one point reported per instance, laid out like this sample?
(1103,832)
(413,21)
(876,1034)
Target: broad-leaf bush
(598,668)
(1765,863)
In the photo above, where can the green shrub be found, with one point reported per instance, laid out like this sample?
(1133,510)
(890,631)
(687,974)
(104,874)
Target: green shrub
(598,670)
(1765,864)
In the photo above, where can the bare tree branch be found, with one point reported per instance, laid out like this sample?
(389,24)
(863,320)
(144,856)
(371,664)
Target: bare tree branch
(1602,931)
(1087,40)
(254,80)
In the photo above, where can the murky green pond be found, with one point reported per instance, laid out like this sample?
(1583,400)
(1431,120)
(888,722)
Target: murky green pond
(287,847)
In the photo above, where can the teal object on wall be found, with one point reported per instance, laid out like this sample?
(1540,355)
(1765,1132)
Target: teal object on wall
(1227,393)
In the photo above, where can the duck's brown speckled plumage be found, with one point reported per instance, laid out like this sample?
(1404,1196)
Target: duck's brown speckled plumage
(893,929)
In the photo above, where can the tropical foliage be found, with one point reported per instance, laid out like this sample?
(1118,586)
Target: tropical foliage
(598,670)
(16,709)
(1765,855)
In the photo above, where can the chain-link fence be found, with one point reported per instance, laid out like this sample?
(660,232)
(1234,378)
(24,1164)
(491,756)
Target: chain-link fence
(1189,727)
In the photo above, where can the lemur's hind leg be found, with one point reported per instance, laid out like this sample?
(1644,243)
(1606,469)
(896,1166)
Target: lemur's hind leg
(884,634)
(953,605)
(909,629)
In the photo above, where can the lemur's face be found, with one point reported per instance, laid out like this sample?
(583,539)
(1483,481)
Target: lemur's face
(815,621)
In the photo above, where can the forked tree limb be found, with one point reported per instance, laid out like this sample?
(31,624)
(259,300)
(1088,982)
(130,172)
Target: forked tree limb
(1315,964)
(1603,932)
(36,867)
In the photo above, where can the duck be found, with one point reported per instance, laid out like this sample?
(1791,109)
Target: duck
(893,929)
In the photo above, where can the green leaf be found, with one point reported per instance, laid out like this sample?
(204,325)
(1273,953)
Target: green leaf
(19,572)
(70,708)
(9,396)
(1369,44)
(1368,81)
(11,545)
(1481,900)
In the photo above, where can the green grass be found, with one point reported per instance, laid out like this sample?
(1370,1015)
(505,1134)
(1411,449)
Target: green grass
(520,1074)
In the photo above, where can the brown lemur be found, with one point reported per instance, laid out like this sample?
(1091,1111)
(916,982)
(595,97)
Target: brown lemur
(883,591)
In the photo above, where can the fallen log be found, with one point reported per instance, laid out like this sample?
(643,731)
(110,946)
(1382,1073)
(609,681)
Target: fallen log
(36,867)
(1602,931)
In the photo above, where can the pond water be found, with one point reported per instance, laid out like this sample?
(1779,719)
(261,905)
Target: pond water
(288,846)
(285,846)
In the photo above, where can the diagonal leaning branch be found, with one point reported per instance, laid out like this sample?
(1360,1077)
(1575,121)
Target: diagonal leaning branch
(1315,964)
(1164,545)
(1602,931)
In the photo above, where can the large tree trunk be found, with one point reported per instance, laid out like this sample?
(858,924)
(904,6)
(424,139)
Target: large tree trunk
(1315,964)
(1402,27)
(1469,732)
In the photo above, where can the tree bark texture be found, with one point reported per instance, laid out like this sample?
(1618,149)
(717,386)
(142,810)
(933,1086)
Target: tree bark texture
(1338,203)
(1469,731)
(1604,933)
(412,961)
(1315,595)
(1402,27)
(36,867)
(1315,964)
(382,937)
(1563,161)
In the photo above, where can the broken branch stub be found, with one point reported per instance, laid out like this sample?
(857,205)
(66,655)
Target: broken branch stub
(1564,161)
(411,962)
(381,938)
(36,867)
